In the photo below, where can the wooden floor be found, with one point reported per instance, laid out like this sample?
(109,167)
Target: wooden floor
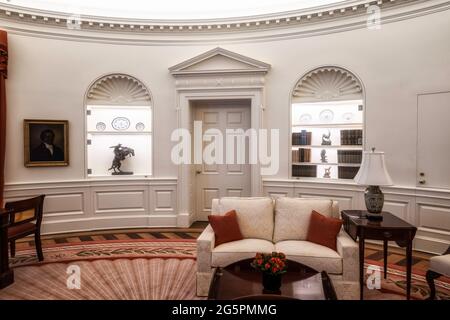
(396,256)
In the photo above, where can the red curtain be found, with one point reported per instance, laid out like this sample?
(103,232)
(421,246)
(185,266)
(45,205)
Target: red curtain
(3,76)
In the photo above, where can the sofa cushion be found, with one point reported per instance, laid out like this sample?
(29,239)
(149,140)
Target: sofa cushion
(234,251)
(226,227)
(292,216)
(310,254)
(255,215)
(441,264)
(323,230)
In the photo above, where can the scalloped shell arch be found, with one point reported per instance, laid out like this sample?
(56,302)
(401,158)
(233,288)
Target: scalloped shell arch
(327,83)
(119,88)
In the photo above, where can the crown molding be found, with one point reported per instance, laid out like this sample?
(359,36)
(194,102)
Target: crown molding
(258,22)
(323,20)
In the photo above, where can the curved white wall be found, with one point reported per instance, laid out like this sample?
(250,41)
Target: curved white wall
(49,76)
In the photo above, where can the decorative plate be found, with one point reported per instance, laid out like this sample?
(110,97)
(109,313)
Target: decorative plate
(326,115)
(306,117)
(120,123)
(100,126)
(140,126)
(348,116)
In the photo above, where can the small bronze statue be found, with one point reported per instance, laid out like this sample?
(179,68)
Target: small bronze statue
(120,153)
(326,141)
(323,156)
(327,173)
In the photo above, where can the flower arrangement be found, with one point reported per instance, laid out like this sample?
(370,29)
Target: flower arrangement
(273,263)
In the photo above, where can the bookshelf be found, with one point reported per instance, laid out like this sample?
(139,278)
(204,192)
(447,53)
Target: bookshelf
(326,139)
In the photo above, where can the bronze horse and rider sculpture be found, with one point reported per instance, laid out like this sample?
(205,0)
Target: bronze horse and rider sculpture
(120,153)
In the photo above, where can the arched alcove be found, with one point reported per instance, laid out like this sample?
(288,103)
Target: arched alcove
(118,112)
(327,122)
(118,89)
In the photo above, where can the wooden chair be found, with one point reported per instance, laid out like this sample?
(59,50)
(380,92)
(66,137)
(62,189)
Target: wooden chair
(25,219)
(439,266)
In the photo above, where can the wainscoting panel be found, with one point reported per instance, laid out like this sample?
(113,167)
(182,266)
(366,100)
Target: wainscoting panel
(64,204)
(164,199)
(433,222)
(428,210)
(398,208)
(119,201)
(102,204)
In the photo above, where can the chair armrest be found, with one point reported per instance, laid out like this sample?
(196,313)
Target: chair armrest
(4,211)
(348,249)
(5,217)
(205,245)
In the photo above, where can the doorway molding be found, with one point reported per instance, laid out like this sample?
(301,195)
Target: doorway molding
(217,74)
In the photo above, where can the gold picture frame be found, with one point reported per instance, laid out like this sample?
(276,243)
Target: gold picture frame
(46,143)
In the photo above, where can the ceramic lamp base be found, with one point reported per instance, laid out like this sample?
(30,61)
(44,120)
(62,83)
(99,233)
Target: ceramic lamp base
(374,199)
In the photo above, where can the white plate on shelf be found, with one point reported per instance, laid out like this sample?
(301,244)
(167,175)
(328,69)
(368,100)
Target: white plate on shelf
(120,123)
(326,115)
(348,116)
(100,126)
(140,126)
(305,118)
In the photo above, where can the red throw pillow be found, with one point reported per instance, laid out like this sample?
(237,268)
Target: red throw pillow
(323,230)
(226,227)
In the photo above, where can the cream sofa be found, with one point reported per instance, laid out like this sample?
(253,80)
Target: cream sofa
(279,225)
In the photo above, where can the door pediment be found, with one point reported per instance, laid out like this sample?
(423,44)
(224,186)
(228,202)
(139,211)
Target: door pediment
(219,61)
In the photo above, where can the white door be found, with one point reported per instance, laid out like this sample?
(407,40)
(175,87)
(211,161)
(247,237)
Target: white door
(433,145)
(221,180)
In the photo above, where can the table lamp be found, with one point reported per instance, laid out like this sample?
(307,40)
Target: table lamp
(373,174)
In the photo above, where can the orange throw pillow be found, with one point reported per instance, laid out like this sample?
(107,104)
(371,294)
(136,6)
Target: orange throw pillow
(323,230)
(226,227)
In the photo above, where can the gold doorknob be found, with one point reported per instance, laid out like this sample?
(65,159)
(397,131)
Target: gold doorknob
(198,171)
(422,181)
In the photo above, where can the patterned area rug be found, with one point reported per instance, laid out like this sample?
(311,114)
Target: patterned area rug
(111,249)
(119,279)
(150,269)
(394,287)
(109,270)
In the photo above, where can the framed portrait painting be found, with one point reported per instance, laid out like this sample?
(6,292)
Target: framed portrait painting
(46,143)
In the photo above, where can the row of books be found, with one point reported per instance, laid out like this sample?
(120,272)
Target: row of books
(302,138)
(349,156)
(301,155)
(347,172)
(304,171)
(351,137)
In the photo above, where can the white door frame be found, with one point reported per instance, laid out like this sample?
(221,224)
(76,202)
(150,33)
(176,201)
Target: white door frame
(217,74)
(186,203)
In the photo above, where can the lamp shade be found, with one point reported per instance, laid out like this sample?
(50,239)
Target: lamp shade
(373,170)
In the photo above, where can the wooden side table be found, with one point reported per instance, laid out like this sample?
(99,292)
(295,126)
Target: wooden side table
(391,228)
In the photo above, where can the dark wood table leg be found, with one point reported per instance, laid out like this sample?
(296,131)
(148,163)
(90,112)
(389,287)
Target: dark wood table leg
(6,274)
(361,268)
(408,268)
(385,255)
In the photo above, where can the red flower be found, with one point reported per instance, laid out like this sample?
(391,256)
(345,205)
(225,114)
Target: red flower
(274,262)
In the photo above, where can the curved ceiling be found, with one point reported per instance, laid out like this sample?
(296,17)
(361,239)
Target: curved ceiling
(172,9)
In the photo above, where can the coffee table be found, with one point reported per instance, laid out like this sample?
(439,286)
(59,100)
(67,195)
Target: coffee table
(241,281)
